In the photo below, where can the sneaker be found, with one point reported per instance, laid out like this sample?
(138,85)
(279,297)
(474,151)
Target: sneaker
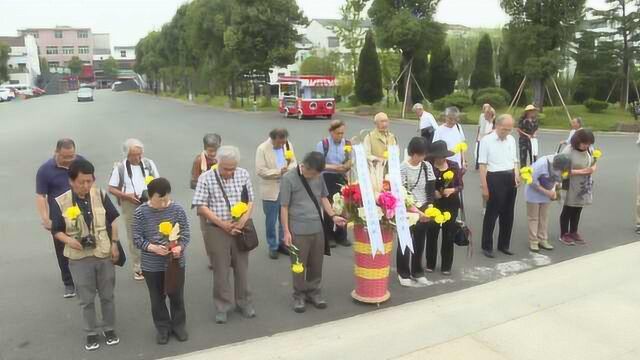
(137,276)
(405,282)
(567,240)
(110,338)
(92,343)
(221,317)
(534,247)
(299,306)
(428,270)
(69,291)
(578,239)
(422,281)
(546,245)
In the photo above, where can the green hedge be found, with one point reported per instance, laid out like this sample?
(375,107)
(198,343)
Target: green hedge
(476,97)
(596,106)
(458,100)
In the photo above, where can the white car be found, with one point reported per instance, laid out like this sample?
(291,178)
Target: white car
(85,94)
(6,94)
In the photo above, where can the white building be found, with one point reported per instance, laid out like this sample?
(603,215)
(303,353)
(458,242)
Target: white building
(23,64)
(101,46)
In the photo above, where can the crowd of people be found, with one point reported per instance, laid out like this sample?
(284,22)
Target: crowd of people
(296,199)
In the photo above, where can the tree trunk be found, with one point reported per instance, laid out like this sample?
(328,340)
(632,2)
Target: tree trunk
(267,90)
(538,93)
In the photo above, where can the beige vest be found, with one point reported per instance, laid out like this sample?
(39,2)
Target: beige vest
(78,228)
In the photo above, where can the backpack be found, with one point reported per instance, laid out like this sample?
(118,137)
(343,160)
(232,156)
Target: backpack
(146,165)
(325,146)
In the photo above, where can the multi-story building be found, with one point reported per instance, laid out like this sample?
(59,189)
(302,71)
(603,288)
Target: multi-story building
(23,63)
(59,44)
(125,56)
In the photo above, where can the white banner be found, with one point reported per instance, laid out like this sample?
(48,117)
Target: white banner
(402,219)
(368,200)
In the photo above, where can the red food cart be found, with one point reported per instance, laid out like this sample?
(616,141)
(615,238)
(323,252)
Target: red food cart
(307,96)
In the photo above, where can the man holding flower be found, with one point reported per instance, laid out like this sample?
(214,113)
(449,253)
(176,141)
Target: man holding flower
(451,133)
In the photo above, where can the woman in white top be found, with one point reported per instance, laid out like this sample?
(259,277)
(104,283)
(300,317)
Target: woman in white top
(485,127)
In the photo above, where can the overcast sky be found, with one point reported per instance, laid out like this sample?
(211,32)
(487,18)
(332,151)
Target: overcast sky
(129,20)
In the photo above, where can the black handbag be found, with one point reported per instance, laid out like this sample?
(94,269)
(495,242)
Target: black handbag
(122,258)
(462,233)
(248,239)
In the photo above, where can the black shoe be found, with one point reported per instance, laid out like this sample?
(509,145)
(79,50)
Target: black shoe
(317,301)
(333,244)
(299,306)
(110,338)
(283,250)
(506,252)
(180,334)
(92,343)
(345,243)
(273,254)
(488,253)
(162,338)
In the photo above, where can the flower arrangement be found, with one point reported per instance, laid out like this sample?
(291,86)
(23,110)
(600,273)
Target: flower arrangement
(348,149)
(165,228)
(438,216)
(597,154)
(526,174)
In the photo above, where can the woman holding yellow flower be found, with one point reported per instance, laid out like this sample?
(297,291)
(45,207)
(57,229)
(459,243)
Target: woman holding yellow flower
(161,232)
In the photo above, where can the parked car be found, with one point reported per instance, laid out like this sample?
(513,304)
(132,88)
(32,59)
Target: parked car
(115,85)
(6,94)
(85,94)
(38,91)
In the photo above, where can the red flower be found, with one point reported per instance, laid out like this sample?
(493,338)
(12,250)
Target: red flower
(352,194)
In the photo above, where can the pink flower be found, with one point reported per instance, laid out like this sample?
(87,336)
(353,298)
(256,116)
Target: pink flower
(387,202)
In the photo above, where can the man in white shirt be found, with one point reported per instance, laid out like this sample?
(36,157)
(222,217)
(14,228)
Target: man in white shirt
(427,123)
(499,178)
(451,133)
(128,184)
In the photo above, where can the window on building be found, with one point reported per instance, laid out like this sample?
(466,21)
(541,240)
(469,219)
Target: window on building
(58,34)
(83,34)
(83,49)
(68,50)
(54,64)
(35,34)
(123,53)
(333,42)
(52,50)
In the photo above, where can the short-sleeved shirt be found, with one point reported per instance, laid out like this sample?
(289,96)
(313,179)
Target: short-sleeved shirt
(209,194)
(544,176)
(528,126)
(335,154)
(303,215)
(58,223)
(52,181)
(498,155)
(486,126)
(452,136)
(427,120)
(136,183)
(415,178)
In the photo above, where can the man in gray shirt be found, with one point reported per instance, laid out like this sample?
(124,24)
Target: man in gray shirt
(302,222)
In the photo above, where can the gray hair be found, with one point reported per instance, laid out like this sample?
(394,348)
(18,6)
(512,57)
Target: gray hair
(452,111)
(562,162)
(130,144)
(212,141)
(579,121)
(228,152)
(65,144)
(417,106)
(501,119)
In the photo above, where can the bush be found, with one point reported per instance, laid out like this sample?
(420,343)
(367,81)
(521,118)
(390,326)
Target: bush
(353,100)
(492,90)
(494,99)
(458,100)
(596,106)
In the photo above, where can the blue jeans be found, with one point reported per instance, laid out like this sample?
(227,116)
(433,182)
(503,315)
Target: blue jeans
(272,216)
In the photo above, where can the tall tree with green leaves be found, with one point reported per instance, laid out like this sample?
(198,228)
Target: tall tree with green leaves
(483,76)
(110,68)
(623,18)
(319,65)
(75,65)
(407,26)
(369,76)
(536,35)
(44,66)
(350,31)
(4,58)
(442,75)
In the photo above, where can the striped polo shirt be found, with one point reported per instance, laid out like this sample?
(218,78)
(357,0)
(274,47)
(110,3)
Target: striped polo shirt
(145,232)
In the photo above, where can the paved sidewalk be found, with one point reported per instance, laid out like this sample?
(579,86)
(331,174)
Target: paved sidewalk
(586,308)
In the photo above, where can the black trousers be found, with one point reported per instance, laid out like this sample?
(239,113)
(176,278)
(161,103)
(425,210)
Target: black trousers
(526,151)
(334,183)
(446,250)
(501,203)
(63,262)
(164,320)
(569,219)
(408,264)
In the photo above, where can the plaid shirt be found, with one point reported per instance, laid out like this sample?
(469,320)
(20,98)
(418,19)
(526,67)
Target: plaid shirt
(209,194)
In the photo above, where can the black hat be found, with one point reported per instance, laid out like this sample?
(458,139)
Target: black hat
(438,149)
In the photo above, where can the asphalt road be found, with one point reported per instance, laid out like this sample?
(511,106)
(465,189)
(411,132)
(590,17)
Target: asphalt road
(37,323)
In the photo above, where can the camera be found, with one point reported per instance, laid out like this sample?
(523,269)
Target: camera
(144,197)
(88,242)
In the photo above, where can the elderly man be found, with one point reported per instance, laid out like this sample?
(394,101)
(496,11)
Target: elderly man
(451,133)
(83,219)
(303,197)
(216,192)
(128,183)
(52,180)
(206,159)
(376,143)
(274,158)
(427,124)
(499,178)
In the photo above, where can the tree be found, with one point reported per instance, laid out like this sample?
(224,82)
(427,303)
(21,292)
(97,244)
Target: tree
(536,34)
(44,66)
(4,58)
(625,24)
(483,76)
(75,65)
(369,76)
(407,26)
(389,64)
(350,31)
(110,68)
(442,79)
(319,65)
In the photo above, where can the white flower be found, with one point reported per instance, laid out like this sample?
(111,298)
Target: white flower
(338,204)
(413,218)
(361,213)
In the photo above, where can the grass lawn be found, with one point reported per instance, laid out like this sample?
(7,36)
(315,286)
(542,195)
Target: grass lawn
(224,102)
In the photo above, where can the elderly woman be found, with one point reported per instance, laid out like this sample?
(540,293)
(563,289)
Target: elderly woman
(206,159)
(576,124)
(427,124)
(580,189)
(163,258)
(447,196)
(216,192)
(528,129)
(451,133)
(128,184)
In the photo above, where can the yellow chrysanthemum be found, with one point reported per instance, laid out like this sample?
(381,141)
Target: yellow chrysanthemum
(385,154)
(288,155)
(239,209)
(597,153)
(447,215)
(165,228)
(432,212)
(565,175)
(440,219)
(460,148)
(148,179)
(214,167)
(297,268)
(528,179)
(448,175)
(348,149)
(526,170)
(72,213)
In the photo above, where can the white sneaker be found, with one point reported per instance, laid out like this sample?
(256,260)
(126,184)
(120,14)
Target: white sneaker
(422,281)
(406,282)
